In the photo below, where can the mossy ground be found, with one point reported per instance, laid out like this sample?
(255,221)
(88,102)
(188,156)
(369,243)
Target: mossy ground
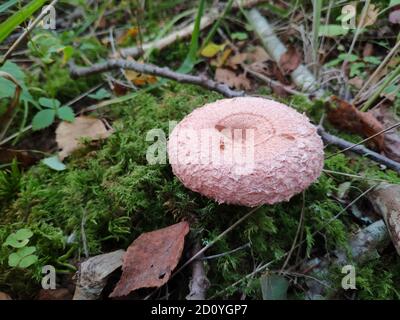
(111,187)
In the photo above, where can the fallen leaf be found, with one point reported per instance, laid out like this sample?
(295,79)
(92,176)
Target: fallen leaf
(290,60)
(372,16)
(222,58)
(357,82)
(258,54)
(385,199)
(129,34)
(151,258)
(345,116)
(4,296)
(68,135)
(231,79)
(236,60)
(25,158)
(212,49)
(140,79)
(93,274)
(388,118)
(394,16)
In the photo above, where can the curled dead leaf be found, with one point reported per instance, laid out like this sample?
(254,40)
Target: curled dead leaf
(68,135)
(290,60)
(151,258)
(347,117)
(4,296)
(231,79)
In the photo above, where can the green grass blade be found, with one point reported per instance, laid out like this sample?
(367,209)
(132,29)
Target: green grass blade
(191,57)
(8,26)
(7,5)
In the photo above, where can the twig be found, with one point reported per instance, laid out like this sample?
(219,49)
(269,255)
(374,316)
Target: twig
(297,234)
(155,71)
(359,149)
(199,283)
(219,255)
(366,139)
(25,33)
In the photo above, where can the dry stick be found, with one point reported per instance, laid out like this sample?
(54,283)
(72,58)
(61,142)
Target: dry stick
(359,149)
(155,71)
(266,265)
(25,33)
(297,234)
(365,140)
(199,283)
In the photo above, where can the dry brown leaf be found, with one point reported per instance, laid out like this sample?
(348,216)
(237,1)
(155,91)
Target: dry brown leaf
(231,79)
(345,116)
(290,60)
(236,60)
(139,79)
(258,54)
(4,296)
(151,258)
(68,135)
(130,33)
(222,58)
(372,16)
(388,118)
(356,82)
(385,199)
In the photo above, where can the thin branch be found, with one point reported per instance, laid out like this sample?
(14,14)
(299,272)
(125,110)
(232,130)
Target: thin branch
(199,283)
(359,149)
(365,140)
(155,71)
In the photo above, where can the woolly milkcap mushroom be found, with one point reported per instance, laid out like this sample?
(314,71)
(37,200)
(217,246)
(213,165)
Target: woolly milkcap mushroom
(246,151)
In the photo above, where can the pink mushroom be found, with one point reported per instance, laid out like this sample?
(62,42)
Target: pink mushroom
(246,151)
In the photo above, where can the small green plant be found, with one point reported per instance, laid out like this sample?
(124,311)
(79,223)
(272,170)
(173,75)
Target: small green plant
(24,256)
(53,108)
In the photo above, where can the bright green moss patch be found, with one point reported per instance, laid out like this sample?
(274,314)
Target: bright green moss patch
(111,193)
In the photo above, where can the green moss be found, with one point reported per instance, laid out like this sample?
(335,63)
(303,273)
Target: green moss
(113,194)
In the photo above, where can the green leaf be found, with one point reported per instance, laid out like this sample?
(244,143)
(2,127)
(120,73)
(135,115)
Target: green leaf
(7,88)
(23,252)
(7,5)
(28,261)
(356,68)
(12,241)
(332,30)
(68,51)
(54,163)
(372,60)
(274,287)
(8,26)
(13,259)
(100,94)
(348,57)
(23,234)
(239,36)
(43,119)
(66,113)
(49,103)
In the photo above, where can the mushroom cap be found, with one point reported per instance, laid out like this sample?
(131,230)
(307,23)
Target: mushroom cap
(246,151)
